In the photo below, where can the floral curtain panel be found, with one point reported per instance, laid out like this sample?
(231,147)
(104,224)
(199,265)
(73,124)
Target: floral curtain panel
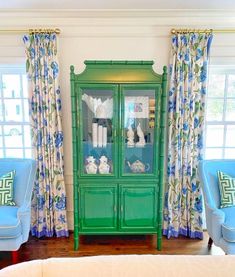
(49,198)
(186,108)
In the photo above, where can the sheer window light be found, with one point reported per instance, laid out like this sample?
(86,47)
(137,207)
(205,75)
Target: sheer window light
(220,114)
(15,138)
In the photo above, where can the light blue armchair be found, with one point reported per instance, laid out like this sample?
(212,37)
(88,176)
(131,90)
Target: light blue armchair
(220,221)
(15,220)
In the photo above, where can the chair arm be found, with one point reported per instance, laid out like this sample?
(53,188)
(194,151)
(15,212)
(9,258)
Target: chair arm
(216,219)
(23,215)
(25,208)
(219,215)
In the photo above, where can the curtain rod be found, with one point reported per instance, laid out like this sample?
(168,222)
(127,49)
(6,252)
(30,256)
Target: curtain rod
(31,31)
(183,31)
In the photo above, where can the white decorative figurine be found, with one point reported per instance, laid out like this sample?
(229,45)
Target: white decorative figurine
(104,167)
(130,137)
(91,167)
(100,109)
(141,142)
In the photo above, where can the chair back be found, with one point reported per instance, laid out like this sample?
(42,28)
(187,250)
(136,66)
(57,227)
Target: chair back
(209,180)
(25,174)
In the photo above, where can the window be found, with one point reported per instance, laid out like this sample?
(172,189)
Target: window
(15,139)
(220,114)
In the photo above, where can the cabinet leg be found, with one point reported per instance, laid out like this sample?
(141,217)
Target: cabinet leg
(76,243)
(159,242)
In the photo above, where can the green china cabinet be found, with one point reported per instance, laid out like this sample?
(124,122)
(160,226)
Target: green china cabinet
(118,131)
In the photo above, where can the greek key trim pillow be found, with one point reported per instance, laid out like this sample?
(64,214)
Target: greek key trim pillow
(227,190)
(6,189)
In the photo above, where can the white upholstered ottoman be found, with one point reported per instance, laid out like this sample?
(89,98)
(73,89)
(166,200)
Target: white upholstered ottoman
(126,265)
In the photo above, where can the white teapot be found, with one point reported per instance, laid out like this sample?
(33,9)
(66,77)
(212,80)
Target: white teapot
(104,167)
(91,167)
(138,167)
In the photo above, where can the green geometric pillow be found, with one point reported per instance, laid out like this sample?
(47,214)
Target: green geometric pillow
(6,189)
(227,190)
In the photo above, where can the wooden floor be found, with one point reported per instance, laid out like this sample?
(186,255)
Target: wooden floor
(107,245)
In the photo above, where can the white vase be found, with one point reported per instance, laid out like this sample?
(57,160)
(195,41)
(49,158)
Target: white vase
(104,167)
(100,135)
(94,134)
(104,136)
(91,167)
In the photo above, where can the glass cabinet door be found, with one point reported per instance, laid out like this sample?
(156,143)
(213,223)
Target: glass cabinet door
(139,130)
(98,126)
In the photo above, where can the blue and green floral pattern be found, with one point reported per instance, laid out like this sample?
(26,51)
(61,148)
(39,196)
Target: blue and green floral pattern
(49,198)
(186,107)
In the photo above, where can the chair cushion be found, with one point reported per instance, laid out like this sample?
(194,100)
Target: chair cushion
(6,189)
(228,228)
(227,190)
(10,226)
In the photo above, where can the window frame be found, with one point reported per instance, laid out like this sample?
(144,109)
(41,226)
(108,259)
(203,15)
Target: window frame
(16,69)
(227,70)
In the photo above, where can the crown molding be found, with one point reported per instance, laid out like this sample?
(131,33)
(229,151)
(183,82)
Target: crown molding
(116,23)
(116,13)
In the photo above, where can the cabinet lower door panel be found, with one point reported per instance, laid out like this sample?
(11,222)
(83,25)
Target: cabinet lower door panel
(138,207)
(98,208)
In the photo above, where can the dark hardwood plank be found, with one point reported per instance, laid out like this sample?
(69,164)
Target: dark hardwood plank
(108,245)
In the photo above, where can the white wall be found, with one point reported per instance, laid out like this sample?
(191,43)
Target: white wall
(110,35)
